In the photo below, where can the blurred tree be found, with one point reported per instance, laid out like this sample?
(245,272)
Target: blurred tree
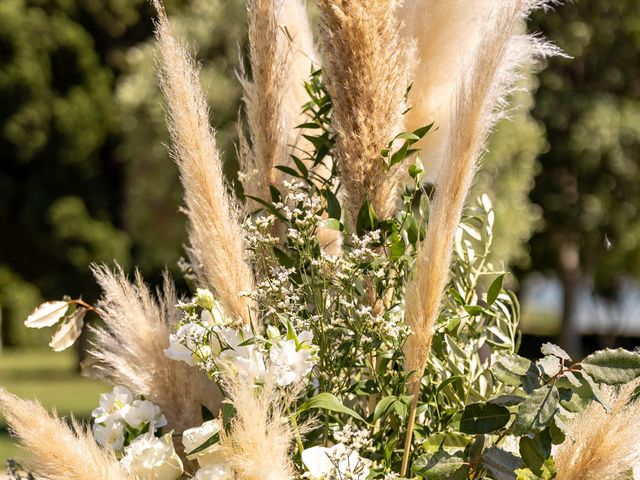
(216,29)
(506,175)
(60,186)
(588,184)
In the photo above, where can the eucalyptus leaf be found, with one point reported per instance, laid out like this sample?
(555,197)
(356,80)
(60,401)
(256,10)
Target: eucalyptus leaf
(536,411)
(441,465)
(500,463)
(483,418)
(612,367)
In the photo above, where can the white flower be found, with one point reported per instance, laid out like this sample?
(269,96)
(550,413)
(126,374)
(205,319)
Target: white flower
(291,364)
(195,437)
(237,358)
(204,298)
(185,342)
(111,403)
(214,472)
(110,433)
(151,458)
(141,412)
(337,461)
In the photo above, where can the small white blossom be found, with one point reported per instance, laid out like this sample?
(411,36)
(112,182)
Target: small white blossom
(194,438)
(111,403)
(141,412)
(335,462)
(290,362)
(110,433)
(152,458)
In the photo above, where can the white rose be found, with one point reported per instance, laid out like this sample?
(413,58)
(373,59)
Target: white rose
(337,461)
(110,433)
(111,403)
(214,472)
(193,438)
(141,412)
(291,365)
(151,458)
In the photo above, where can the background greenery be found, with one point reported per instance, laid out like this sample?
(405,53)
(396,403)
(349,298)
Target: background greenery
(85,175)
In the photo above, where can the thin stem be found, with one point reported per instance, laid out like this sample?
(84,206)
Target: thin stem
(415,391)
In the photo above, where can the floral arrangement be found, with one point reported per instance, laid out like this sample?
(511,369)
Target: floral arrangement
(345,321)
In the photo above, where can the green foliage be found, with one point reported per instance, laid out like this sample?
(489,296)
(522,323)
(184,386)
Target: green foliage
(590,104)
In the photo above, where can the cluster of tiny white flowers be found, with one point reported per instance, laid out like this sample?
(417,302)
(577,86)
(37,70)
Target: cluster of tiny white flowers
(122,416)
(361,247)
(354,438)
(258,231)
(276,293)
(301,211)
(224,347)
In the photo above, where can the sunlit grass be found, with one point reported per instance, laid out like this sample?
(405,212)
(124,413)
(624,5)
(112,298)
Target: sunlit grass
(53,379)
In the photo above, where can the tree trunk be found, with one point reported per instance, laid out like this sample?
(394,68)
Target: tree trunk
(569,259)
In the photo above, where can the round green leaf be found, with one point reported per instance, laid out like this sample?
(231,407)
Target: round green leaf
(483,418)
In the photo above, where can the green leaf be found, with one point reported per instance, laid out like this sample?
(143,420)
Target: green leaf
(330,224)
(367,220)
(383,406)
(473,310)
(333,205)
(422,131)
(501,464)
(452,442)
(536,411)
(483,418)
(301,166)
(612,367)
(535,450)
(556,351)
(328,401)
(289,171)
(441,465)
(494,290)
(211,441)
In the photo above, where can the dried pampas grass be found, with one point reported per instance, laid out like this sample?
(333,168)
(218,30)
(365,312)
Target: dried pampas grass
(481,99)
(129,350)
(260,439)
(447,35)
(366,72)
(281,53)
(601,445)
(58,451)
(215,233)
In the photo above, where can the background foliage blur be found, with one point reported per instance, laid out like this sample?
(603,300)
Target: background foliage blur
(85,175)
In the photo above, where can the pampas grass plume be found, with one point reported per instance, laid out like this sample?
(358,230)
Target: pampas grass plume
(58,451)
(480,101)
(601,445)
(260,439)
(215,233)
(366,72)
(129,349)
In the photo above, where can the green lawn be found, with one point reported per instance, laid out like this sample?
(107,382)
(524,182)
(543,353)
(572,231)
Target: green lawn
(49,377)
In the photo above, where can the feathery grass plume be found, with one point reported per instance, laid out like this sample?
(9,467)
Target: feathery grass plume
(130,349)
(480,102)
(602,445)
(260,439)
(366,71)
(280,53)
(215,233)
(58,451)
(446,35)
